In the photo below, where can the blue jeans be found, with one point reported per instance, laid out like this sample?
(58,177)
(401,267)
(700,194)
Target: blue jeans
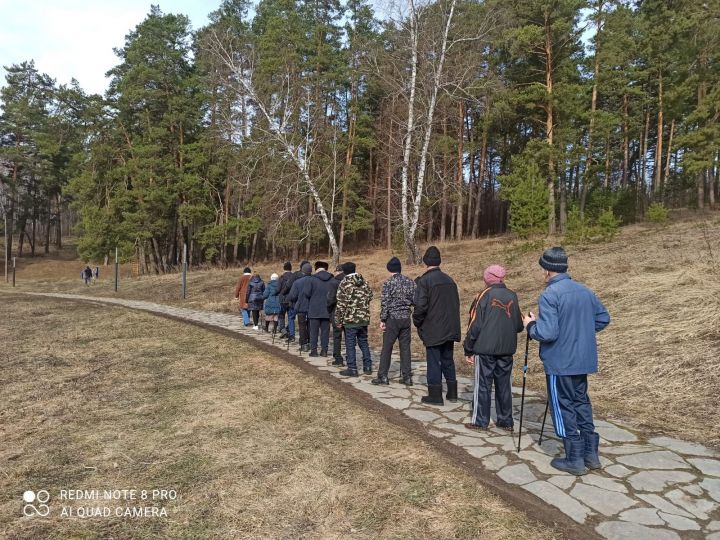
(440,362)
(246,317)
(357,335)
(291,322)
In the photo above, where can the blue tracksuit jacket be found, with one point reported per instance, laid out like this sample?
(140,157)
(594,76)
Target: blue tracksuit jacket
(569,314)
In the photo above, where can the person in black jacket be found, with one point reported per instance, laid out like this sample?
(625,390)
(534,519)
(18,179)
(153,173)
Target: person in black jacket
(316,291)
(338,359)
(287,304)
(300,305)
(287,267)
(437,319)
(491,341)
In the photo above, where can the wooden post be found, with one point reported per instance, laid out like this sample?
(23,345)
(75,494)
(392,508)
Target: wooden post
(184,272)
(117,269)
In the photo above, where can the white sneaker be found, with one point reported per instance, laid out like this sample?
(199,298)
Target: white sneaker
(256,327)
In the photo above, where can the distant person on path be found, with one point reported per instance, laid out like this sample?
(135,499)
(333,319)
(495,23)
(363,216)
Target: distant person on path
(241,295)
(87,275)
(290,305)
(96,273)
(282,291)
(352,313)
(396,301)
(300,305)
(332,303)
(254,297)
(569,315)
(491,342)
(437,319)
(272,304)
(316,290)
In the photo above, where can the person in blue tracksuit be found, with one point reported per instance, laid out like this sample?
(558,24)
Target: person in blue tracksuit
(569,315)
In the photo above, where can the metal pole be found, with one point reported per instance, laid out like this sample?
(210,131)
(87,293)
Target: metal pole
(184,273)
(542,428)
(13,271)
(522,399)
(117,269)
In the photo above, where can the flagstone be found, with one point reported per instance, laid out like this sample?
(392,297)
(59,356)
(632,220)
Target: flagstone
(559,499)
(700,508)
(709,467)
(606,502)
(643,516)
(658,480)
(687,448)
(662,459)
(622,530)
(517,474)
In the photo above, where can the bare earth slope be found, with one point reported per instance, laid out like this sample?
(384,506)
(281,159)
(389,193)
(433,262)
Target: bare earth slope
(659,357)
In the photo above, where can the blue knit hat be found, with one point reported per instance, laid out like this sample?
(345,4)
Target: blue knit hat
(554,259)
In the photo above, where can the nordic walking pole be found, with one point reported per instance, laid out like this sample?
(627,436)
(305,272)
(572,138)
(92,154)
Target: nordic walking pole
(542,428)
(522,399)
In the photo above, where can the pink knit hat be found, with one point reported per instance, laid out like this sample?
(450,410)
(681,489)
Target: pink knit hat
(494,274)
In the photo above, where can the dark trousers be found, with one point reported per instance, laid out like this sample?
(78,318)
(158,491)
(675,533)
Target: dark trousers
(291,322)
(281,319)
(322,327)
(570,404)
(440,363)
(357,335)
(303,328)
(256,316)
(337,342)
(395,330)
(491,369)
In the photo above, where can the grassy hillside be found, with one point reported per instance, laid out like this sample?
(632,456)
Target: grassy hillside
(659,357)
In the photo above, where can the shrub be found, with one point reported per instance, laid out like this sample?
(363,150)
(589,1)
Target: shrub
(657,213)
(581,231)
(607,225)
(527,192)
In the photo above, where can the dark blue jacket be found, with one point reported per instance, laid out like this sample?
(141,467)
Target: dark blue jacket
(296,298)
(255,291)
(569,314)
(272,301)
(316,291)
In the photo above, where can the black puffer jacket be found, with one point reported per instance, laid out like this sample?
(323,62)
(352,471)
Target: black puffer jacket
(284,284)
(332,292)
(316,291)
(437,308)
(495,321)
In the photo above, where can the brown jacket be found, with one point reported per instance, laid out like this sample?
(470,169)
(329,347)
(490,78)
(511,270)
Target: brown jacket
(241,290)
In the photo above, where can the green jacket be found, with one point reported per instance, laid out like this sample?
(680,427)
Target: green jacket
(353,301)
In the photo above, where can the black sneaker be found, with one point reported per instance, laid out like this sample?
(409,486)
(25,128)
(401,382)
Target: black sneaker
(314,354)
(324,354)
(367,371)
(349,372)
(338,362)
(380,380)
(407,381)
(291,339)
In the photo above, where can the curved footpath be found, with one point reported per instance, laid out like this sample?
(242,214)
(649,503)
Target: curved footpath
(656,489)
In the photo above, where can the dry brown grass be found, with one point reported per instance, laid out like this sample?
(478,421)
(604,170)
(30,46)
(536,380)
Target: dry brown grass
(659,356)
(102,397)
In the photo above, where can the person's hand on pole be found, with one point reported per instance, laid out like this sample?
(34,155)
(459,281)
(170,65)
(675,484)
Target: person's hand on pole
(470,360)
(382,326)
(527,319)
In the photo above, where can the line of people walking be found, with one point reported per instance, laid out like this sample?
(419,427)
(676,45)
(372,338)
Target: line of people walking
(311,302)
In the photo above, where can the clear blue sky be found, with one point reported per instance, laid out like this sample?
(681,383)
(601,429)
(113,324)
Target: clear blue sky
(75,38)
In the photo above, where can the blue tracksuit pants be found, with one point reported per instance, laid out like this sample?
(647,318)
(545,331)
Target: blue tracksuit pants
(570,405)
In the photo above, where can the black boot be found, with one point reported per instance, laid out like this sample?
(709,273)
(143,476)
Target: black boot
(592,459)
(406,380)
(434,396)
(380,379)
(452,391)
(338,362)
(324,353)
(349,372)
(573,462)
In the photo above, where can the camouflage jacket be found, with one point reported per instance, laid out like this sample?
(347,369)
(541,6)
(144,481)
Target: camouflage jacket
(353,301)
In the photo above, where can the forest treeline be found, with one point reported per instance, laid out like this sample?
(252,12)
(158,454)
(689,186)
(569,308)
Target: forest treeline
(295,126)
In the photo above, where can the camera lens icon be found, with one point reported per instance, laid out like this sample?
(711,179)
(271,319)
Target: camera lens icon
(41,497)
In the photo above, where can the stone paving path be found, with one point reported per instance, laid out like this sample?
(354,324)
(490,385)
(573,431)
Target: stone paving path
(656,489)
